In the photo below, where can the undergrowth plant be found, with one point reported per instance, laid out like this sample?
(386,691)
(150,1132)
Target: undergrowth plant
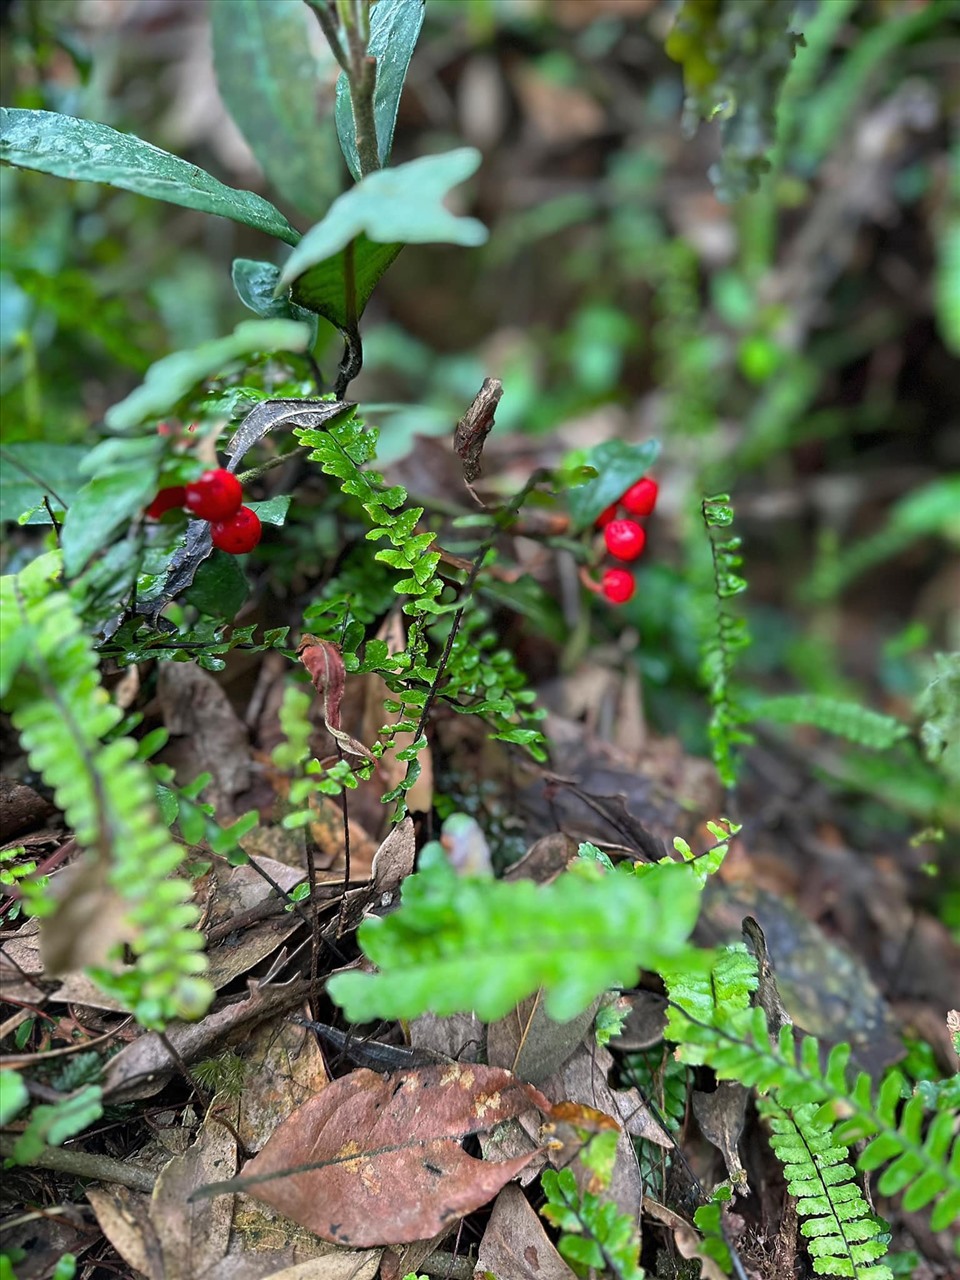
(473,944)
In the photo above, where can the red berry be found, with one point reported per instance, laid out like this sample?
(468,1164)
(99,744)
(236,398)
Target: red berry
(605,516)
(617,585)
(641,498)
(624,539)
(239,534)
(217,495)
(166,500)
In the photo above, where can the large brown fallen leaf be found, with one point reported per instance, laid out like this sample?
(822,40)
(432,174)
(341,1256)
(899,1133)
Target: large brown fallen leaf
(377,1159)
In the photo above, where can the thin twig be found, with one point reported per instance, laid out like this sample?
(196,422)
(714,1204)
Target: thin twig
(87,1164)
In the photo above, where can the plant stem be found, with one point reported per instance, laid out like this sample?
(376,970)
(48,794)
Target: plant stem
(89,1164)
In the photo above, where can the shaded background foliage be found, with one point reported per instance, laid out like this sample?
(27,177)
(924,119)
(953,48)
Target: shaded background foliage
(793,348)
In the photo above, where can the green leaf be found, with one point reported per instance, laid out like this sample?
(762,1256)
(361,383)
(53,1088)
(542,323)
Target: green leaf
(377,217)
(322,288)
(220,586)
(13,1096)
(88,152)
(53,1125)
(33,468)
(269,80)
(618,466)
(170,379)
(256,286)
(273,510)
(123,484)
(462,944)
(394,28)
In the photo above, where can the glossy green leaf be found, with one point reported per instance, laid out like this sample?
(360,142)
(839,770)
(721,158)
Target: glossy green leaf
(386,210)
(256,286)
(618,466)
(269,80)
(219,587)
(88,152)
(273,510)
(30,469)
(394,28)
(322,288)
(170,379)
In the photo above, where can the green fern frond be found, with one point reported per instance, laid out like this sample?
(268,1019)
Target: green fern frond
(846,719)
(65,718)
(923,1167)
(727,636)
(844,1238)
(342,450)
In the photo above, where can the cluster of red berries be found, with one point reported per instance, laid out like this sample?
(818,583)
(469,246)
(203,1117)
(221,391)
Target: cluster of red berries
(625,538)
(217,497)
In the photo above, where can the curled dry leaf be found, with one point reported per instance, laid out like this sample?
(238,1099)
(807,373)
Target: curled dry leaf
(377,1159)
(474,427)
(323,661)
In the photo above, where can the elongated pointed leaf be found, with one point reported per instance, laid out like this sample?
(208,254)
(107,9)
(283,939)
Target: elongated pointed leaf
(386,210)
(394,28)
(269,80)
(618,465)
(170,379)
(88,152)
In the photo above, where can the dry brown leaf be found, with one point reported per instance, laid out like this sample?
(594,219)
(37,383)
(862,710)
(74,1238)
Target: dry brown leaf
(533,1045)
(376,1159)
(395,859)
(209,734)
(686,1237)
(323,661)
(515,1244)
(194,1234)
(474,427)
(124,1218)
(720,1116)
(91,919)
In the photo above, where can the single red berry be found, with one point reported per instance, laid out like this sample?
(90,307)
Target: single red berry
(624,539)
(641,498)
(617,585)
(217,495)
(605,516)
(166,500)
(239,534)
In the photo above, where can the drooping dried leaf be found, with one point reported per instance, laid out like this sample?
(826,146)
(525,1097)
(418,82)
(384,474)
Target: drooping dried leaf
(325,665)
(686,1237)
(720,1116)
(474,427)
(394,860)
(376,1159)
